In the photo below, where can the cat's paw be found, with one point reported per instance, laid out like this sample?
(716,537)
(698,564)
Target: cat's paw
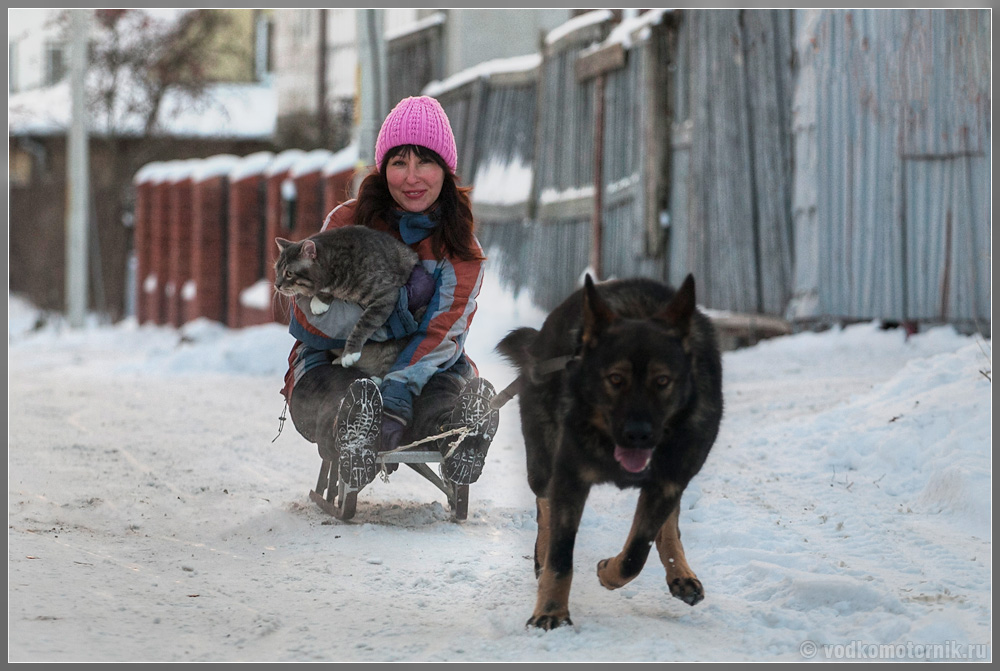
(317,306)
(348,360)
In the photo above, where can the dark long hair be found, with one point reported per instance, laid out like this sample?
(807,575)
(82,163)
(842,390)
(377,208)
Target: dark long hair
(454,235)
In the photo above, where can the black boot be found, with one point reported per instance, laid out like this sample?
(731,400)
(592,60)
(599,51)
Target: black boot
(463,464)
(356,432)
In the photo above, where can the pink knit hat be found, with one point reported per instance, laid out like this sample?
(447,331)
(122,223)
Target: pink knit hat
(420,121)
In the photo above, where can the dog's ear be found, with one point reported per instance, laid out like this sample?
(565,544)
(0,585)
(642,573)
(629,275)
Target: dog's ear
(597,315)
(680,309)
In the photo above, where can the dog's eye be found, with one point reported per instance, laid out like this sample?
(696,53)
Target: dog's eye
(662,381)
(616,380)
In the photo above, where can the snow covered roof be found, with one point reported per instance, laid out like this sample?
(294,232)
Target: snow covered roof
(311,162)
(214,166)
(148,172)
(233,167)
(344,160)
(485,69)
(284,161)
(578,23)
(433,20)
(295,161)
(166,171)
(178,171)
(248,166)
(638,27)
(228,111)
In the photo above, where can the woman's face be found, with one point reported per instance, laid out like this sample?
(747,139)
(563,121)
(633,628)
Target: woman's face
(414,183)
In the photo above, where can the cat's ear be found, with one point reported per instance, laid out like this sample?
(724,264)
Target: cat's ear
(308,249)
(282,243)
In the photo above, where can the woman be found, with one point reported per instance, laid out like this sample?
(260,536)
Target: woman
(412,194)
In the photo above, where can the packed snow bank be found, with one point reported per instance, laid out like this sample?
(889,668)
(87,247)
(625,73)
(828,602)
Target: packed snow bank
(151,517)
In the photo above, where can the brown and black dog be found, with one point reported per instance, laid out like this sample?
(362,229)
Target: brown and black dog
(637,405)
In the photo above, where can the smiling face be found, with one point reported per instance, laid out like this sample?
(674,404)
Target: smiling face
(414,181)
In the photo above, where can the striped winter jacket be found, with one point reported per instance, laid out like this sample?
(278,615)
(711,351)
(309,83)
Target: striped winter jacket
(438,342)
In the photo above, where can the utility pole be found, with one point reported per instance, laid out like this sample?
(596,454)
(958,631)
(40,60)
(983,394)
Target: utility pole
(322,121)
(78,173)
(371,51)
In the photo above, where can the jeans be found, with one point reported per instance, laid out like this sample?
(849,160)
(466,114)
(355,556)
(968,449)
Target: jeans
(317,396)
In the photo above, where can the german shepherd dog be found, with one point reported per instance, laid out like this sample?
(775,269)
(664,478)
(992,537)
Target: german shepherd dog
(622,385)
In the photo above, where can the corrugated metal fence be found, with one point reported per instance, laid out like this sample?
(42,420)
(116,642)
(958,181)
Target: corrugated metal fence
(535,133)
(820,164)
(892,202)
(734,68)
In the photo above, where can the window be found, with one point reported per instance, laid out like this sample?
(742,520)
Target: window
(302,28)
(19,167)
(56,67)
(12,78)
(263,41)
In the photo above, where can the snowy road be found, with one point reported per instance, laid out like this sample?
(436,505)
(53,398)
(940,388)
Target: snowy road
(846,506)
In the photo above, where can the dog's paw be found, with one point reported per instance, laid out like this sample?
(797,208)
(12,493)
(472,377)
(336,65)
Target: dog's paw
(317,306)
(348,360)
(688,590)
(548,622)
(608,576)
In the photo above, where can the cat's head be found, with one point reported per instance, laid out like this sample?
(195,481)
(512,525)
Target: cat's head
(294,269)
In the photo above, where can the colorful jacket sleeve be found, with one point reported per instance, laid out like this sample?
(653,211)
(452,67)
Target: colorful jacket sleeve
(315,335)
(331,329)
(439,343)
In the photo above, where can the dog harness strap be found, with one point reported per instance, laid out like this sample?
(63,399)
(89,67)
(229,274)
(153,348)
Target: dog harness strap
(509,392)
(554,365)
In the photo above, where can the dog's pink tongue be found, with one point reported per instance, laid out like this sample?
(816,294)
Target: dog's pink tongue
(632,459)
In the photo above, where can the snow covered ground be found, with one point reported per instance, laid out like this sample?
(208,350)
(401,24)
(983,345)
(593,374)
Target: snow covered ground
(843,514)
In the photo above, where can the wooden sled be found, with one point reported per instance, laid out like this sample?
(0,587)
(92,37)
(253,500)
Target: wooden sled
(334,497)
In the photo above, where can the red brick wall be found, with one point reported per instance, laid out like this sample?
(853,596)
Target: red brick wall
(180,213)
(299,224)
(159,245)
(311,206)
(143,246)
(249,247)
(274,228)
(220,236)
(337,188)
(209,249)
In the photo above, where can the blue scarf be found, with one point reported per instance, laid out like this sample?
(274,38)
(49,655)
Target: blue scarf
(415,226)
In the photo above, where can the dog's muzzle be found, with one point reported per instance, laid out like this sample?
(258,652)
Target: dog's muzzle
(635,450)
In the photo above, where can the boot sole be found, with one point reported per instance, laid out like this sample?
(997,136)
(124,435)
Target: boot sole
(359,424)
(466,462)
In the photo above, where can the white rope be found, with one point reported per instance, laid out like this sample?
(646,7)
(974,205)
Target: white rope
(461,432)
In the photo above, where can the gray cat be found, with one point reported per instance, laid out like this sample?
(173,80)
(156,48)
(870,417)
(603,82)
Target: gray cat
(353,263)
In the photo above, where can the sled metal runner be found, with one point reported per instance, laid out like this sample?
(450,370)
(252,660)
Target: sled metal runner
(335,498)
